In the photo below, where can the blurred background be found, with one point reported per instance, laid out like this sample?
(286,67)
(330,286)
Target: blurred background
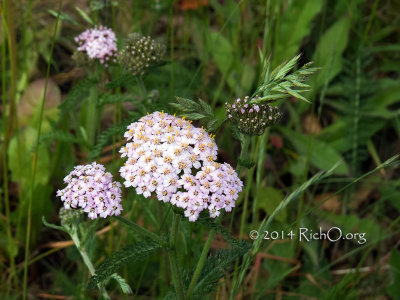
(214,52)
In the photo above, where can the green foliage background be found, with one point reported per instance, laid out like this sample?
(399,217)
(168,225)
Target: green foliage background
(216,52)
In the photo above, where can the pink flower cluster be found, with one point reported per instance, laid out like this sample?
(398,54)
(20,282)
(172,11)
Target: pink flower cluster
(98,43)
(92,189)
(169,157)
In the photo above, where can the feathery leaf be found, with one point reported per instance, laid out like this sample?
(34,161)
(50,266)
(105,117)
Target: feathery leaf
(130,253)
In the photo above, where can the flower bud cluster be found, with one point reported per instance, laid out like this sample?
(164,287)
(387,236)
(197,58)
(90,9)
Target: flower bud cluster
(81,59)
(251,119)
(140,53)
(91,188)
(170,158)
(98,43)
(70,216)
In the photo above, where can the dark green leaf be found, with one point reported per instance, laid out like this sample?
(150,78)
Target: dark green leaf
(206,108)
(247,163)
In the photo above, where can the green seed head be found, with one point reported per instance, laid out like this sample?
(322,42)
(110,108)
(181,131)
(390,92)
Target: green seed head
(252,119)
(140,53)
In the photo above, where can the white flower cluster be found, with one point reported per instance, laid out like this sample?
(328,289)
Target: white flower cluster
(98,43)
(174,160)
(92,189)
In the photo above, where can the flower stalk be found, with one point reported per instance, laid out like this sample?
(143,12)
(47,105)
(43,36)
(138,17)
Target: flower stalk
(175,272)
(200,264)
(73,232)
(91,118)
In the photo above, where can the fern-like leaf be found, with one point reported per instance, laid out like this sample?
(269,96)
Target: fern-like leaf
(130,253)
(105,136)
(210,223)
(197,111)
(77,94)
(216,267)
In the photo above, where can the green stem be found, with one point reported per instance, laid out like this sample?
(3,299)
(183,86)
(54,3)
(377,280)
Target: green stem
(175,273)
(200,264)
(243,152)
(91,118)
(260,150)
(142,231)
(83,253)
(74,236)
(142,87)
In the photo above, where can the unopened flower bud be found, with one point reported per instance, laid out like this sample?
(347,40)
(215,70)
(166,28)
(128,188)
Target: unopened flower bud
(252,119)
(70,216)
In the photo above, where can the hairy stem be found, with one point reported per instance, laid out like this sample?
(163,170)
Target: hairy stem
(74,236)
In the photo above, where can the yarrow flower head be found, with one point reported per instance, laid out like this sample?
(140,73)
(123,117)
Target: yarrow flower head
(170,158)
(252,119)
(140,53)
(98,43)
(91,188)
